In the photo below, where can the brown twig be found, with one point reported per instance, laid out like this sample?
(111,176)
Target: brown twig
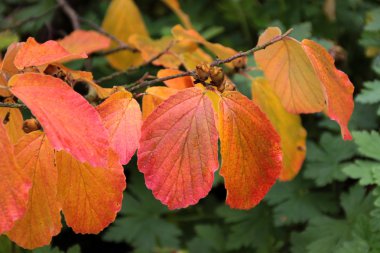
(214,63)
(12,105)
(70,12)
(129,70)
(102,31)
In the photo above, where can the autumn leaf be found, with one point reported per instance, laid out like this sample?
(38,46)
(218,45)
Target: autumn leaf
(153,97)
(8,67)
(69,121)
(90,196)
(250,148)
(14,185)
(219,50)
(151,48)
(122,24)
(178,149)
(81,41)
(290,73)
(121,116)
(176,83)
(338,89)
(32,54)
(12,120)
(287,125)
(176,8)
(42,219)
(191,59)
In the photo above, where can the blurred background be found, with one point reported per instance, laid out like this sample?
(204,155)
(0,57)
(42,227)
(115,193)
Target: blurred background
(333,205)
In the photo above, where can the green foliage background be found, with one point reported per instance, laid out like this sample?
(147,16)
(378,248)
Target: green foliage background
(333,205)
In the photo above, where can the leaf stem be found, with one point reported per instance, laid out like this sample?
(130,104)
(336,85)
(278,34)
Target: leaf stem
(12,105)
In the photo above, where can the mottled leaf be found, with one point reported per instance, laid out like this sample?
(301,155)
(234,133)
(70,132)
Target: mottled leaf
(69,121)
(153,97)
(90,196)
(250,148)
(42,219)
(14,185)
(121,116)
(178,149)
(338,88)
(287,125)
(290,73)
(32,54)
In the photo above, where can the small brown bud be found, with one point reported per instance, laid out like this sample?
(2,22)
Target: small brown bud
(31,125)
(217,75)
(202,71)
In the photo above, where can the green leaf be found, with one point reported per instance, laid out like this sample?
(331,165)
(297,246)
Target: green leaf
(370,94)
(249,229)
(368,144)
(209,237)
(366,171)
(142,225)
(294,202)
(324,162)
(373,20)
(330,235)
(7,38)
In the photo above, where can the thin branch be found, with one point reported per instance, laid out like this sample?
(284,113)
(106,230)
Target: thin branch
(70,12)
(32,18)
(102,31)
(12,105)
(122,72)
(214,63)
(252,50)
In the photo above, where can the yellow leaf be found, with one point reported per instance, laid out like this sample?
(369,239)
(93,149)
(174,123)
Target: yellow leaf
(153,97)
(122,20)
(287,125)
(176,8)
(290,73)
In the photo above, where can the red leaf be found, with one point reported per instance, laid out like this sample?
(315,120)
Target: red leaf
(250,148)
(81,41)
(90,196)
(34,54)
(42,219)
(338,88)
(69,121)
(178,149)
(121,116)
(14,185)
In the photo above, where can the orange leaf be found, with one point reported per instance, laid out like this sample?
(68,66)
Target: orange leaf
(34,54)
(12,120)
(287,125)
(178,151)
(69,121)
(42,219)
(250,148)
(153,97)
(176,83)
(176,8)
(80,41)
(290,73)
(14,185)
(8,67)
(219,50)
(150,48)
(90,196)
(121,116)
(337,87)
(123,19)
